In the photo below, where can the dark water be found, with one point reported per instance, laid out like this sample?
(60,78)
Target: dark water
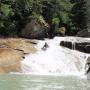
(32,82)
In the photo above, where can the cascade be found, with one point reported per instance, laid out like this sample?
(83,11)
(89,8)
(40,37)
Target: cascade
(56,60)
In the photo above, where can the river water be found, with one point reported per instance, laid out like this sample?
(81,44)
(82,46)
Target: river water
(35,82)
(57,68)
(56,60)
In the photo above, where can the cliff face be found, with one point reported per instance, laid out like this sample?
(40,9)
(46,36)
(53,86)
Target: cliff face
(12,52)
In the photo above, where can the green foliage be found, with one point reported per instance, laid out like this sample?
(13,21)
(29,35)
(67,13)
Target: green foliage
(65,17)
(14,14)
(79,16)
(56,21)
(88,14)
(6,9)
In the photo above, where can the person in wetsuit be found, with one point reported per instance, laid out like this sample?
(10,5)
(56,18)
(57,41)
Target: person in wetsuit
(45,46)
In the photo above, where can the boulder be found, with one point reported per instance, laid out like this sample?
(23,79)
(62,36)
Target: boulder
(83,47)
(35,29)
(83,33)
(62,31)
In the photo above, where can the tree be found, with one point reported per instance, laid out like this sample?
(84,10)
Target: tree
(14,14)
(88,14)
(56,13)
(79,18)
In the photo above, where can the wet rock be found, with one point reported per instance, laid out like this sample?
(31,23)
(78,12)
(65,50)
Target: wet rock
(83,46)
(66,44)
(87,47)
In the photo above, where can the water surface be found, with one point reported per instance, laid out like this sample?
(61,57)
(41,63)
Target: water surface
(37,82)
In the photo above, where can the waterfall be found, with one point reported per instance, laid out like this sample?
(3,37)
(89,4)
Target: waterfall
(56,60)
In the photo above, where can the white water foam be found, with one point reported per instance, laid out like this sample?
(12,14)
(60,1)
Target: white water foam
(56,60)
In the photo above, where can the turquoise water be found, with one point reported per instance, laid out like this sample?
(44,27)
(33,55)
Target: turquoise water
(32,82)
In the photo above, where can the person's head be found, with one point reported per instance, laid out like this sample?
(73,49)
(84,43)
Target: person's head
(46,43)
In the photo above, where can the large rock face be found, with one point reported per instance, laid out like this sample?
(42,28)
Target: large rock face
(35,29)
(12,52)
(10,60)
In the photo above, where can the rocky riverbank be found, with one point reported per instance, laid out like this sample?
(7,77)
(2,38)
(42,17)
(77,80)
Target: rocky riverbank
(12,51)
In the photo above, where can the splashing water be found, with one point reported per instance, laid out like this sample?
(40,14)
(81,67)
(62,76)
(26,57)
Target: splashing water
(56,60)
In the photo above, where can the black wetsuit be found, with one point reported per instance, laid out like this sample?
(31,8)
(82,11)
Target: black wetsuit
(45,46)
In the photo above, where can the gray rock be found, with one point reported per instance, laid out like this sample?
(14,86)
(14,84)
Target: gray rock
(83,33)
(34,29)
